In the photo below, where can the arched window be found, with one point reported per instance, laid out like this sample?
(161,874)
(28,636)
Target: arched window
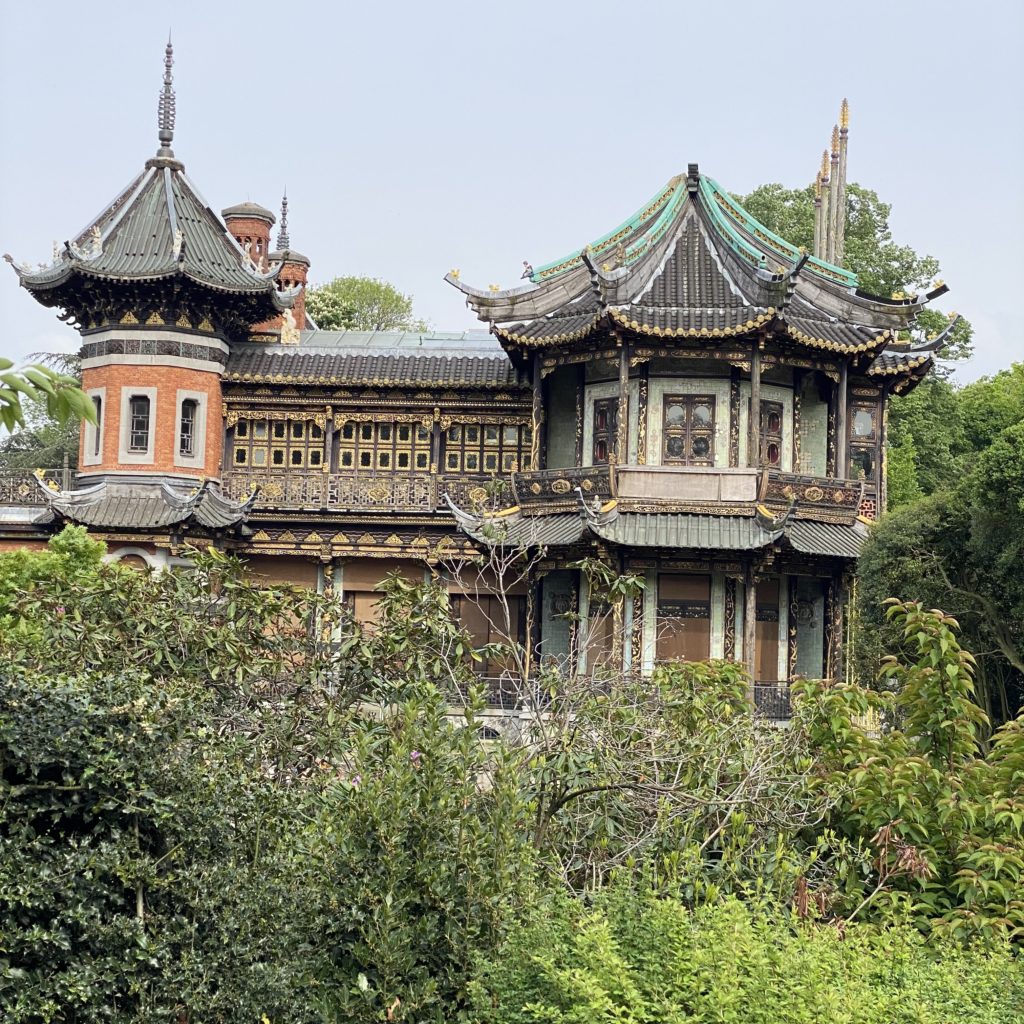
(187,430)
(138,436)
(97,404)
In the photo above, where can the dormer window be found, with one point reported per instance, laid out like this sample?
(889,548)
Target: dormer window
(138,437)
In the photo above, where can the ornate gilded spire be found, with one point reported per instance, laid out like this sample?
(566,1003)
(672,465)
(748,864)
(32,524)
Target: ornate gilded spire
(844,115)
(824,165)
(835,142)
(166,105)
(283,242)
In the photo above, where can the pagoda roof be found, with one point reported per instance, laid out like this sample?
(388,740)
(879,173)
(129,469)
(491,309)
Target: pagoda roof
(159,228)
(147,505)
(692,263)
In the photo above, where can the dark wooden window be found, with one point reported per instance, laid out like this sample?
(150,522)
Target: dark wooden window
(863,441)
(766,662)
(279,444)
(387,447)
(688,430)
(138,436)
(486,448)
(606,428)
(97,404)
(684,617)
(485,620)
(771,433)
(187,427)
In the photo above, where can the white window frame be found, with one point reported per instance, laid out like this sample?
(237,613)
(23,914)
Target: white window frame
(92,433)
(124,455)
(197,459)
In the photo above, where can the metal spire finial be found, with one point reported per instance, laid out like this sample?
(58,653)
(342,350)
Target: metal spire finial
(283,241)
(166,106)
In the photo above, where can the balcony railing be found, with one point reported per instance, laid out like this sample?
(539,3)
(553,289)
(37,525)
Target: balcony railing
(384,492)
(18,487)
(771,699)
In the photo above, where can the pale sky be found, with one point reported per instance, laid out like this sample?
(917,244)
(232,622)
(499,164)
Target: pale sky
(415,137)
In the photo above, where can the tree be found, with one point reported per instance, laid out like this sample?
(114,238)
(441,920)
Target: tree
(881,265)
(48,437)
(362,304)
(58,393)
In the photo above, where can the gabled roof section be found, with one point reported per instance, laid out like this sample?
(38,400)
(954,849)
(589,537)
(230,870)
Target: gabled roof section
(693,263)
(158,228)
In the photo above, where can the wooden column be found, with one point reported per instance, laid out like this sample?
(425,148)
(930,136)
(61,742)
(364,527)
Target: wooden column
(537,415)
(622,440)
(581,410)
(842,469)
(750,624)
(641,414)
(329,440)
(754,424)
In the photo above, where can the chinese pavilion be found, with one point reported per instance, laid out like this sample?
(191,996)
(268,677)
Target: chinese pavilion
(689,398)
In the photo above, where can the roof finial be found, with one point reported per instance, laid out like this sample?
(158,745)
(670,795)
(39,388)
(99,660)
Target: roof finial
(835,142)
(283,241)
(844,115)
(166,106)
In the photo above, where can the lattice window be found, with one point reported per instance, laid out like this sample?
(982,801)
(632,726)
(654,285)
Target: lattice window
(279,444)
(138,437)
(390,447)
(486,448)
(606,428)
(187,427)
(771,433)
(688,430)
(863,441)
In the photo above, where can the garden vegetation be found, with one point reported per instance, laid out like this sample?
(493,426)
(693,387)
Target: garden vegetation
(223,801)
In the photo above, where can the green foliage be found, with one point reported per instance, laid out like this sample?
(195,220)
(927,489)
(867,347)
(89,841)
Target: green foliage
(143,869)
(935,828)
(640,958)
(961,547)
(60,394)
(362,304)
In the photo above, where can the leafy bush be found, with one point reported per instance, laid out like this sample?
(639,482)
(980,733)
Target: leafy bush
(637,958)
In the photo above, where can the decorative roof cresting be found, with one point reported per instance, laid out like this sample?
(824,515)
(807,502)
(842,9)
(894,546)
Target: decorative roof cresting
(166,112)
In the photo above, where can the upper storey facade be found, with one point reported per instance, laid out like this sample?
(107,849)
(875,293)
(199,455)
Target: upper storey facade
(651,347)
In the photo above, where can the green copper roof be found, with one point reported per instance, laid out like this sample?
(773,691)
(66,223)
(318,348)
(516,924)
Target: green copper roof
(747,236)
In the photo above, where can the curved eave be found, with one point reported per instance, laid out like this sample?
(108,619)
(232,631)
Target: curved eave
(813,340)
(280,300)
(626,319)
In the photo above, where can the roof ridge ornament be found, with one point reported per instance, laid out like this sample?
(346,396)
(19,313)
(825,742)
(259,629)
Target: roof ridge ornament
(283,241)
(165,108)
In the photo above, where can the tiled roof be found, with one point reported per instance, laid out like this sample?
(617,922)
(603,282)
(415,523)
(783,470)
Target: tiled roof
(159,227)
(682,530)
(694,264)
(675,531)
(146,506)
(368,367)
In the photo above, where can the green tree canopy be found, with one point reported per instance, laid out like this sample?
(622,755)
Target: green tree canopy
(362,304)
(881,265)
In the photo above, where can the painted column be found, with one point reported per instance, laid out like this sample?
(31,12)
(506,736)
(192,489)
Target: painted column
(734,416)
(622,440)
(717,615)
(580,410)
(537,415)
(782,667)
(750,623)
(754,424)
(641,414)
(650,620)
(842,469)
(730,644)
